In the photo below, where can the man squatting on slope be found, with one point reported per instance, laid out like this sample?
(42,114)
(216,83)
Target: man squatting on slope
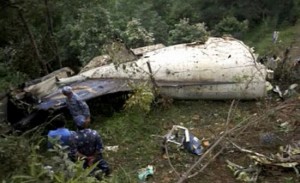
(87,143)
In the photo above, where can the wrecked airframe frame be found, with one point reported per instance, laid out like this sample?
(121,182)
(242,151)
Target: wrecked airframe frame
(221,68)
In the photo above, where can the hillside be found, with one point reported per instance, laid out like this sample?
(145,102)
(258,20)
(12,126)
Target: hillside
(270,118)
(264,126)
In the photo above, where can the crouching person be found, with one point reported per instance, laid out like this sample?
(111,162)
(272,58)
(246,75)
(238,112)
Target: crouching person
(60,135)
(87,144)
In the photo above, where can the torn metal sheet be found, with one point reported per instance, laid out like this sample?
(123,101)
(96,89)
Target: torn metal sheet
(142,50)
(87,89)
(46,85)
(181,136)
(96,62)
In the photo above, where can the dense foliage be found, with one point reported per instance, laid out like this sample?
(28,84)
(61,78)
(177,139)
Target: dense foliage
(39,37)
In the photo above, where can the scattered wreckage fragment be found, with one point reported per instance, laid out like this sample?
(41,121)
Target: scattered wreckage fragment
(245,174)
(291,91)
(145,173)
(182,137)
(288,157)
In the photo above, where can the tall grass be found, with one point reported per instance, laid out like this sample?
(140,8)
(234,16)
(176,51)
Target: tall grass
(261,38)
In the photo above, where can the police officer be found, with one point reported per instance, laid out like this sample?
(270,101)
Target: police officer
(76,105)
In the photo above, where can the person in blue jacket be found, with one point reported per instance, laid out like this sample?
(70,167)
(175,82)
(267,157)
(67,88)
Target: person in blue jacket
(60,135)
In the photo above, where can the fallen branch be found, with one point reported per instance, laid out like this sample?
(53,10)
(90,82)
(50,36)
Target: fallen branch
(237,130)
(209,161)
(169,161)
(186,174)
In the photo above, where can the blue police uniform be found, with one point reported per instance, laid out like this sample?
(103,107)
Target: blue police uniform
(63,135)
(88,143)
(77,106)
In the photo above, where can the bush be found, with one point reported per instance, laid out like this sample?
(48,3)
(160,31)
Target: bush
(136,35)
(9,77)
(85,35)
(141,99)
(186,33)
(230,25)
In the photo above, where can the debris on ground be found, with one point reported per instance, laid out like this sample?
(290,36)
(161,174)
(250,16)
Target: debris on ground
(268,139)
(144,173)
(112,148)
(288,157)
(249,174)
(291,91)
(182,137)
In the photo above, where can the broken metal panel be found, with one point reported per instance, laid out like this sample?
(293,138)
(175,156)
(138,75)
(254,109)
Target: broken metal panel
(87,89)
(60,73)
(43,88)
(119,52)
(142,50)
(181,136)
(96,62)
(47,84)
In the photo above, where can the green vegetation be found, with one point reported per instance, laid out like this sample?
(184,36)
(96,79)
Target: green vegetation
(186,33)
(131,130)
(37,37)
(230,25)
(137,136)
(261,39)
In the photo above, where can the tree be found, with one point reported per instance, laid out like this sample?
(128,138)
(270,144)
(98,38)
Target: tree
(29,33)
(51,33)
(86,33)
(136,35)
(152,21)
(230,25)
(185,33)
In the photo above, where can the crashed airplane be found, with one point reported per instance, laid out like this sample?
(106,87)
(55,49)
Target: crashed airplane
(220,68)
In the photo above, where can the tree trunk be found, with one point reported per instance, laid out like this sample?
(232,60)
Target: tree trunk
(32,40)
(50,29)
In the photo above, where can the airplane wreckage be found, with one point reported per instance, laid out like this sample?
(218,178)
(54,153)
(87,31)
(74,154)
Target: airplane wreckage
(220,68)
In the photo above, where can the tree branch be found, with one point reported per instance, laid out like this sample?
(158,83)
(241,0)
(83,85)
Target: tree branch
(186,174)
(50,29)
(31,37)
